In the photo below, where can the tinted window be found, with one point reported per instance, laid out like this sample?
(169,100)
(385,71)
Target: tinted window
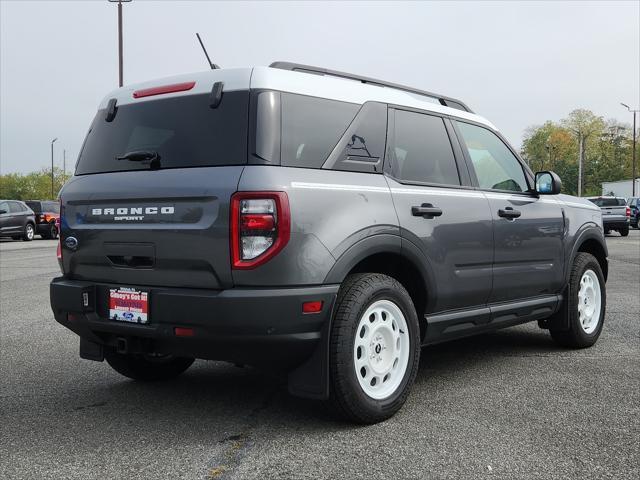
(421,150)
(608,201)
(361,148)
(35,206)
(311,127)
(184,131)
(15,207)
(52,207)
(495,166)
(4,206)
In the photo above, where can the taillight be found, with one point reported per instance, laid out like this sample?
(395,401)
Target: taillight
(628,212)
(260,227)
(59,250)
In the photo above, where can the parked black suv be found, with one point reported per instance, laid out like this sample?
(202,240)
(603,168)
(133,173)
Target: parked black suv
(46,214)
(293,218)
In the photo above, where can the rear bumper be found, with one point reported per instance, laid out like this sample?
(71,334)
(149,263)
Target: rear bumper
(43,228)
(254,326)
(615,223)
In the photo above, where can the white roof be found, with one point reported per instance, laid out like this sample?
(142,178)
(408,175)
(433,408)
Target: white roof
(334,88)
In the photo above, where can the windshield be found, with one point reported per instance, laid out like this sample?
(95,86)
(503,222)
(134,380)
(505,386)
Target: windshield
(183,131)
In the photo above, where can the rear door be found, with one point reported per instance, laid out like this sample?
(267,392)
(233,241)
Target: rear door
(448,222)
(528,229)
(160,217)
(18,216)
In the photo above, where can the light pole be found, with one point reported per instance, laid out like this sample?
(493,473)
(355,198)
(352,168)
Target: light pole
(549,148)
(52,142)
(633,158)
(119,2)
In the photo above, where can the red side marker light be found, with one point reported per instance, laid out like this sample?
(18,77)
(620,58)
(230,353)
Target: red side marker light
(312,307)
(183,332)
(176,87)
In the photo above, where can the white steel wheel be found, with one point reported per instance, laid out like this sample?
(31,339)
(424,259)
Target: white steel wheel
(381,349)
(589,302)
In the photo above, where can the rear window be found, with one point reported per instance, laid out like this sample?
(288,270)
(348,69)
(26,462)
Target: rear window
(52,207)
(35,206)
(608,202)
(184,131)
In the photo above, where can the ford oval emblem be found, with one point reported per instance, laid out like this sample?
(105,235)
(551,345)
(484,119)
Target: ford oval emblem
(71,243)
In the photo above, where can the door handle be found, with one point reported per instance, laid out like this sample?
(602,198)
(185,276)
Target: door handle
(426,210)
(509,212)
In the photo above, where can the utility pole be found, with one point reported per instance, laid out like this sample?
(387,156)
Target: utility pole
(550,147)
(64,164)
(633,158)
(580,160)
(120,75)
(52,142)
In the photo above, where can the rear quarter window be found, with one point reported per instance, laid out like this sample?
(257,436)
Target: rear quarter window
(311,127)
(184,131)
(35,206)
(297,130)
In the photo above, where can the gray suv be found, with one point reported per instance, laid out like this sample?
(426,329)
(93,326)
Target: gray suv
(316,223)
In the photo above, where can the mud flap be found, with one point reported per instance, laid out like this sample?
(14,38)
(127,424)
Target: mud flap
(90,350)
(311,379)
(559,321)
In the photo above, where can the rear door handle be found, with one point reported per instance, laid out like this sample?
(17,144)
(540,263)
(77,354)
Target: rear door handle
(509,212)
(426,210)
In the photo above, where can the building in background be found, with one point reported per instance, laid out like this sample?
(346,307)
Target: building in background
(621,188)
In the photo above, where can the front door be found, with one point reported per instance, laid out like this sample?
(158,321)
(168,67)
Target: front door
(451,225)
(528,229)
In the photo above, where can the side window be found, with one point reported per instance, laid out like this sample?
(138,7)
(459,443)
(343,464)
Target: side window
(495,166)
(421,150)
(4,206)
(52,207)
(311,127)
(15,207)
(361,147)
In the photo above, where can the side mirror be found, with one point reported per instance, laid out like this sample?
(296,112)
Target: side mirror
(548,183)
(2,211)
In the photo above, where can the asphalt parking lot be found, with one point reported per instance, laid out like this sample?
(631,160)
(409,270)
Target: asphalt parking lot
(504,405)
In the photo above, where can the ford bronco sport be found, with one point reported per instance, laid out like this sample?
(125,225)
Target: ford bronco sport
(316,222)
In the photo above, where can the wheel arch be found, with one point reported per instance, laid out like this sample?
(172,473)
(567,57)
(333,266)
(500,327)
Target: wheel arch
(394,256)
(590,240)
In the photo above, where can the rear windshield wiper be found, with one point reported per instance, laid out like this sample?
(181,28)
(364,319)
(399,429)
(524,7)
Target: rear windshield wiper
(142,156)
(139,156)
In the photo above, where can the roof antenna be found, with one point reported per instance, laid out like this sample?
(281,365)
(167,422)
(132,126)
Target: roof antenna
(212,65)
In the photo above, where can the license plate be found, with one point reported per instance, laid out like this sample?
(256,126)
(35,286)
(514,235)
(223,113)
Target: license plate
(128,305)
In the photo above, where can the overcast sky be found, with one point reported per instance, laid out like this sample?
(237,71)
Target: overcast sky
(518,64)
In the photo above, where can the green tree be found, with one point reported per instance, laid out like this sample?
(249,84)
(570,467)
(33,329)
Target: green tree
(32,186)
(585,126)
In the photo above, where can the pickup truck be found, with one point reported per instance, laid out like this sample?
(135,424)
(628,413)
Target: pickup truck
(615,214)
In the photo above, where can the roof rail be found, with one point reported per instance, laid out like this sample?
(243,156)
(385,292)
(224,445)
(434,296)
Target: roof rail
(444,100)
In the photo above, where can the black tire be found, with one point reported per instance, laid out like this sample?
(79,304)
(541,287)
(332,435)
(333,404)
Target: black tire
(51,233)
(575,336)
(347,397)
(29,232)
(624,232)
(146,367)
